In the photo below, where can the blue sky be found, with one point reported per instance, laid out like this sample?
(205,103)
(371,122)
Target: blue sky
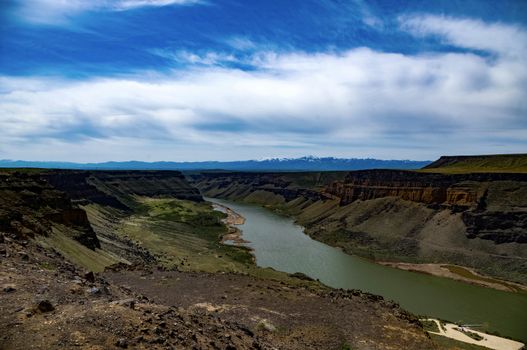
(235,79)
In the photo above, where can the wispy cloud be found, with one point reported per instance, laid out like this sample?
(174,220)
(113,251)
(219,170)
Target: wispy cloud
(131,4)
(368,16)
(209,58)
(503,39)
(241,43)
(62,12)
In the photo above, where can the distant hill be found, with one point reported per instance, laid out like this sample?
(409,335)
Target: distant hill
(506,163)
(276,164)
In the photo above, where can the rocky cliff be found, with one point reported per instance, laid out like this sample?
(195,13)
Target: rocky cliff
(30,206)
(31,202)
(496,163)
(117,188)
(504,221)
(277,187)
(407,185)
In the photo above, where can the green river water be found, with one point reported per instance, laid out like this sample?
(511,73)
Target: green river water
(281,244)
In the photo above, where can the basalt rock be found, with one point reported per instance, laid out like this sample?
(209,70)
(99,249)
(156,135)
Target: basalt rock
(116,188)
(288,186)
(30,206)
(31,203)
(451,190)
(506,221)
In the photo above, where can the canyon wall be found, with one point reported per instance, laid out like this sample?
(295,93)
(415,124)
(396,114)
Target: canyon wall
(30,206)
(281,187)
(504,221)
(429,188)
(31,202)
(117,188)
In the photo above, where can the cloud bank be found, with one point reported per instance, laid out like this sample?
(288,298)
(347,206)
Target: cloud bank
(365,101)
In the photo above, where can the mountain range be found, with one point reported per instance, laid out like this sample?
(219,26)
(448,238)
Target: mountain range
(308,163)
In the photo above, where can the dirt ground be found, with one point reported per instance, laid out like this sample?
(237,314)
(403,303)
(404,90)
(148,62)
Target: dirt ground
(291,317)
(47,303)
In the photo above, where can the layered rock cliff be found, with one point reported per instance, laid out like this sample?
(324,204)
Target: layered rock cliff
(117,188)
(31,202)
(30,206)
(264,187)
(407,185)
(504,221)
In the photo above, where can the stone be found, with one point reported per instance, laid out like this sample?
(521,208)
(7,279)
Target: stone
(9,288)
(45,306)
(76,289)
(42,289)
(89,276)
(94,290)
(125,302)
(121,343)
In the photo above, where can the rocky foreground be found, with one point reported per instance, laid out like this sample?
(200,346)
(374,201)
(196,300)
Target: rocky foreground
(52,299)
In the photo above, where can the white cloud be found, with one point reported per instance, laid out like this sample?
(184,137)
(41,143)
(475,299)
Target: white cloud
(130,4)
(357,103)
(62,12)
(368,17)
(209,58)
(504,39)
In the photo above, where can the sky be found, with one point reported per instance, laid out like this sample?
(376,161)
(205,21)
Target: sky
(192,80)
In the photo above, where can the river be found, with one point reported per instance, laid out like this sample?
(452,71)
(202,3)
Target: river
(281,244)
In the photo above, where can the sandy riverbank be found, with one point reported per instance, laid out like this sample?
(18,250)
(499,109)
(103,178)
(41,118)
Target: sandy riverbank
(232,220)
(459,273)
(454,331)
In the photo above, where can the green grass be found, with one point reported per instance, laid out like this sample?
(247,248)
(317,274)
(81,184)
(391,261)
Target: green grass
(185,235)
(470,334)
(346,346)
(47,266)
(430,326)
(458,270)
(452,344)
(95,260)
(510,163)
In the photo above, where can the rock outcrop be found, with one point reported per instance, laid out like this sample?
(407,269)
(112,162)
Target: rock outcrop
(282,186)
(29,206)
(467,193)
(117,188)
(32,201)
(451,190)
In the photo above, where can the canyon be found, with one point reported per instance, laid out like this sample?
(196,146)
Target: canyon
(478,220)
(79,271)
(60,228)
